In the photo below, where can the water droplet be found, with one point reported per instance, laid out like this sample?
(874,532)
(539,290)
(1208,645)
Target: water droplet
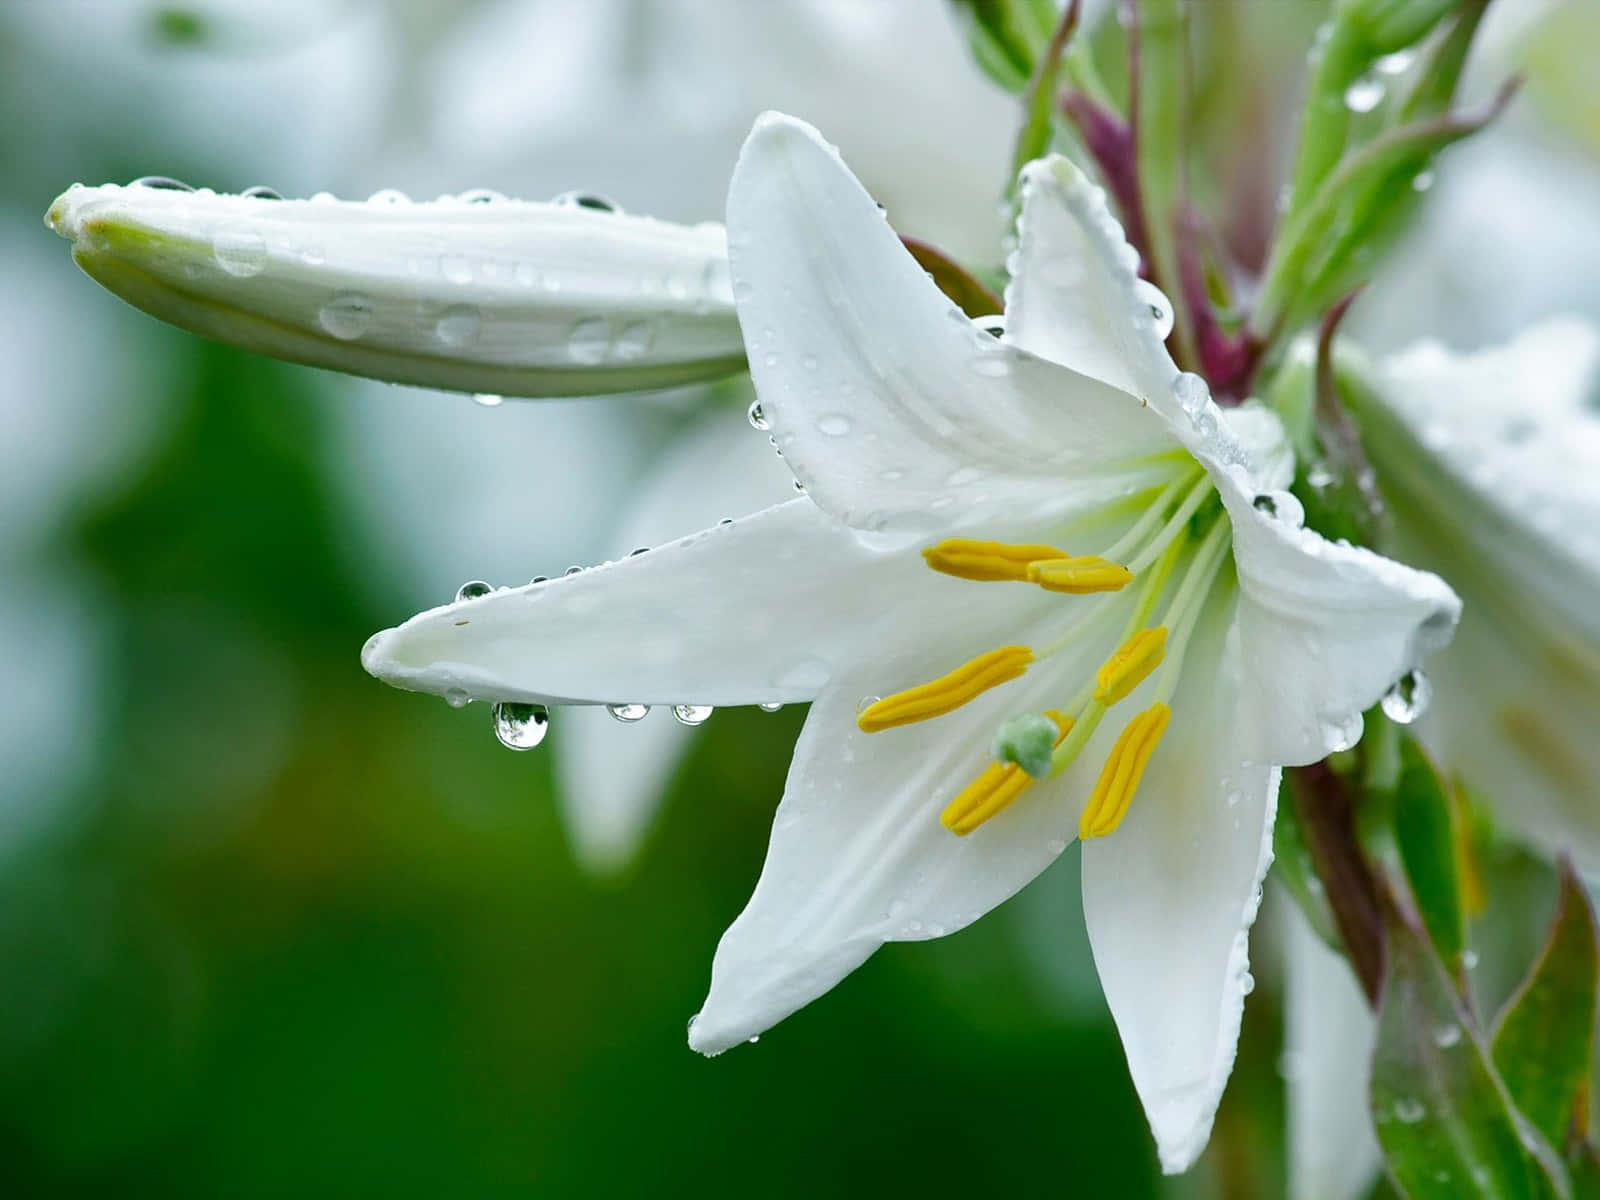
(992,366)
(834,424)
(691,714)
(520,726)
(457,268)
(771,707)
(574,570)
(391,197)
(1446,1036)
(1364,95)
(489,399)
(589,340)
(458,325)
(638,550)
(1282,506)
(262,192)
(240,251)
(628,713)
(1191,393)
(1161,311)
(1247,984)
(994,324)
(590,200)
(473,589)
(754,1038)
(1397,63)
(481,196)
(865,703)
(1408,698)
(1469,959)
(1408,1110)
(798,486)
(456,697)
(634,341)
(1320,476)
(347,316)
(1422,181)
(162,183)
(757,416)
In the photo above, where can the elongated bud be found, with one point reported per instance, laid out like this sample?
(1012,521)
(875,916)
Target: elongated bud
(503,297)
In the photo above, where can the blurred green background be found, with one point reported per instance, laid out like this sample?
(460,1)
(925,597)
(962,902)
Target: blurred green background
(267,926)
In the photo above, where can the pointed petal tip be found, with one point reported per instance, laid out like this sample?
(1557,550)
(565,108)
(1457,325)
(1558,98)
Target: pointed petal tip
(372,654)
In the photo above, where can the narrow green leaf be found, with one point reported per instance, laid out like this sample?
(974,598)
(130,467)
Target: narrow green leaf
(1443,1119)
(1583,1164)
(1294,867)
(1544,1037)
(1039,103)
(1424,827)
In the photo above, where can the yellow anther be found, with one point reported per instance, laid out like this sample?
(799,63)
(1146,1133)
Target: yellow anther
(986,561)
(948,692)
(1079,576)
(994,790)
(1108,803)
(1126,669)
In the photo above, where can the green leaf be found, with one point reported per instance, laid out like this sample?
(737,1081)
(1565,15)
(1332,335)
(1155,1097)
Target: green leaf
(1425,831)
(1294,867)
(960,286)
(1442,1117)
(1039,104)
(1544,1037)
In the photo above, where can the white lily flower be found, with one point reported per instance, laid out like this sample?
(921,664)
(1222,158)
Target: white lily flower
(473,293)
(945,469)
(1491,462)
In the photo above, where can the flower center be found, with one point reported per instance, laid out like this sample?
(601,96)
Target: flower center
(1180,538)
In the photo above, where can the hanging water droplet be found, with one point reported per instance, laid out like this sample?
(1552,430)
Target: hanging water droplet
(757,416)
(162,183)
(458,325)
(589,339)
(591,200)
(771,707)
(489,399)
(262,192)
(1408,698)
(347,316)
(1364,95)
(473,589)
(456,697)
(691,714)
(240,251)
(628,713)
(520,726)
(1191,393)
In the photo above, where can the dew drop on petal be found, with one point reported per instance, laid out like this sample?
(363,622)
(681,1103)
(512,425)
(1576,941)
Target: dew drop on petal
(1282,506)
(162,183)
(1247,984)
(628,713)
(1160,308)
(634,341)
(589,340)
(262,192)
(590,200)
(520,726)
(1408,698)
(771,707)
(834,424)
(458,325)
(347,316)
(757,416)
(865,703)
(473,589)
(994,324)
(691,714)
(1191,393)
(390,197)
(240,251)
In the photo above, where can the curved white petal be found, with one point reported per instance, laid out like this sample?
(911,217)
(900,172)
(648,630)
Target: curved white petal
(504,297)
(766,609)
(1491,463)
(1169,897)
(611,775)
(858,856)
(891,408)
(1325,630)
(1075,296)
(1333,1154)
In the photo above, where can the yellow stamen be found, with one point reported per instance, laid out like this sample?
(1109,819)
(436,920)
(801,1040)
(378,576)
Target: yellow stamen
(1079,576)
(994,790)
(986,561)
(1108,804)
(1127,668)
(948,692)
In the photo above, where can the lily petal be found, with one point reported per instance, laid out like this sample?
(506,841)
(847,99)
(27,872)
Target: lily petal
(1491,463)
(1333,1154)
(612,775)
(887,403)
(502,297)
(1325,630)
(858,856)
(1075,296)
(1170,896)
